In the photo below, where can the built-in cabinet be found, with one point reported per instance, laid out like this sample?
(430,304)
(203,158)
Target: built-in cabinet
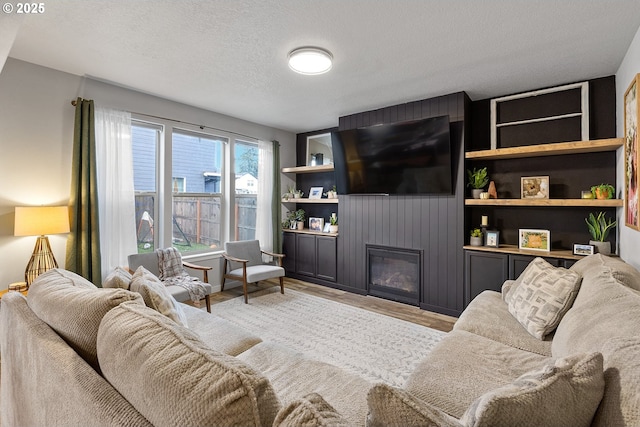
(487,270)
(310,256)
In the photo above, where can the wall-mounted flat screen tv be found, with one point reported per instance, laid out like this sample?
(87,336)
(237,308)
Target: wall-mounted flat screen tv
(412,157)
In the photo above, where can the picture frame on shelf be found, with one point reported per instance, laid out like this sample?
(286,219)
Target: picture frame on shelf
(316,224)
(631,153)
(583,250)
(315,193)
(534,187)
(534,240)
(326,228)
(492,239)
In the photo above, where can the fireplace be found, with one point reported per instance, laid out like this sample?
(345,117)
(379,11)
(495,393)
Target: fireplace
(394,273)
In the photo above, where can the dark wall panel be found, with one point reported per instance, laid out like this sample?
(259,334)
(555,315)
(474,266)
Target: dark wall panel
(432,224)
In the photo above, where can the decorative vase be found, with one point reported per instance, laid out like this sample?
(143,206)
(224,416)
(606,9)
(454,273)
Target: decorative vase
(300,225)
(476,241)
(603,248)
(333,228)
(476,192)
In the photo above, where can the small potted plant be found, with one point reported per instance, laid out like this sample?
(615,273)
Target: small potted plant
(332,194)
(603,191)
(333,223)
(299,216)
(478,179)
(599,228)
(476,237)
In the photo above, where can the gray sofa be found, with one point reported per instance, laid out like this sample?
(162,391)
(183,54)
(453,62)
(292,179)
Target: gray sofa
(73,354)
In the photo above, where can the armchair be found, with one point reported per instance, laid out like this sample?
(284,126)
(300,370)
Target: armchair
(150,261)
(243,262)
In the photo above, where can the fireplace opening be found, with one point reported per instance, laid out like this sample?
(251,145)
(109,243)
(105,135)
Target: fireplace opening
(394,273)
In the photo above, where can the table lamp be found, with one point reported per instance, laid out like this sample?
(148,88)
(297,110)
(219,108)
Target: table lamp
(38,221)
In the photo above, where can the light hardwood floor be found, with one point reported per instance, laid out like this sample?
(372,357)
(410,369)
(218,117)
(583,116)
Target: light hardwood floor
(379,305)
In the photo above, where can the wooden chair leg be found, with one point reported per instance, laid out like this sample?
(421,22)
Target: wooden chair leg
(281,285)
(244,287)
(224,271)
(207,300)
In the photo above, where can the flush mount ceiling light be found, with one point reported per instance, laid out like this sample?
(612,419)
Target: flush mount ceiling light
(310,60)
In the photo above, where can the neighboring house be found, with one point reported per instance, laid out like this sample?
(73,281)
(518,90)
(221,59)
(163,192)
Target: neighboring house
(246,184)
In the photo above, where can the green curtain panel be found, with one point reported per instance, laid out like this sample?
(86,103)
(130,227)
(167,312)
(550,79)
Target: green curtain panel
(83,244)
(275,203)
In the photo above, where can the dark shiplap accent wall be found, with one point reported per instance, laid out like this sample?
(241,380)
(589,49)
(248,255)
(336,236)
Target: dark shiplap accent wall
(432,223)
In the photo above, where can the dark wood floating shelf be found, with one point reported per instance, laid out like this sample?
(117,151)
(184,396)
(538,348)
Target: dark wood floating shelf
(554,149)
(513,249)
(546,202)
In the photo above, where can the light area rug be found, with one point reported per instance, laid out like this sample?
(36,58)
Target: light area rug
(372,345)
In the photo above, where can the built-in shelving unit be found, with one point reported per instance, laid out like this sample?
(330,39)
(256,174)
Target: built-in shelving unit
(555,149)
(514,250)
(307,231)
(308,169)
(611,203)
(328,201)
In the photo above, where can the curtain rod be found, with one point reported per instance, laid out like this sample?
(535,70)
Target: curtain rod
(74,103)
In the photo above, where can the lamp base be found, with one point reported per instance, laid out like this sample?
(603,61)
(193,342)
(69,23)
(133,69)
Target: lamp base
(41,260)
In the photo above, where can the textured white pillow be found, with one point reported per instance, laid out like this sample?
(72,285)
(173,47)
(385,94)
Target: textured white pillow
(542,296)
(156,296)
(564,393)
(391,406)
(118,278)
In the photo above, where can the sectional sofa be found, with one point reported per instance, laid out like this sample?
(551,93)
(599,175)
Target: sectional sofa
(73,354)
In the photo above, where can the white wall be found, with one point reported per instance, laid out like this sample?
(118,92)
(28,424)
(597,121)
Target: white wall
(629,238)
(36,136)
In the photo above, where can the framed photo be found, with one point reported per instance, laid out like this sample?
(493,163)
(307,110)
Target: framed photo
(327,228)
(534,187)
(315,193)
(316,224)
(493,238)
(534,240)
(579,249)
(631,119)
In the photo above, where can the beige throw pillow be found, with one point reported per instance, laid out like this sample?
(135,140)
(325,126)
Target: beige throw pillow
(118,278)
(156,296)
(394,407)
(173,379)
(73,307)
(565,393)
(310,411)
(543,295)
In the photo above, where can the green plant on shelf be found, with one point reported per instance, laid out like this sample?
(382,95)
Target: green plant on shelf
(333,220)
(478,178)
(603,191)
(599,226)
(476,232)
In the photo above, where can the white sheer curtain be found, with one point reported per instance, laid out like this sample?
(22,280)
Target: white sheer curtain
(116,198)
(264,215)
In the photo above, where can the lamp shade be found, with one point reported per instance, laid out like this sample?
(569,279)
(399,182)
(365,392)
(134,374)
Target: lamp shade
(41,220)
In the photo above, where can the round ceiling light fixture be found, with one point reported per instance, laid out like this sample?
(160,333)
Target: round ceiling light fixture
(310,60)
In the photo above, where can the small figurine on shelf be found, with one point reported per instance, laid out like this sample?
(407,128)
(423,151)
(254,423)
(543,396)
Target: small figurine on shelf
(493,192)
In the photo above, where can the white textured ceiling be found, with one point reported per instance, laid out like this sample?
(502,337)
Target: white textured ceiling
(229,56)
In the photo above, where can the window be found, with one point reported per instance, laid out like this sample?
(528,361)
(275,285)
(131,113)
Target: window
(145,140)
(197,166)
(194,190)
(246,185)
